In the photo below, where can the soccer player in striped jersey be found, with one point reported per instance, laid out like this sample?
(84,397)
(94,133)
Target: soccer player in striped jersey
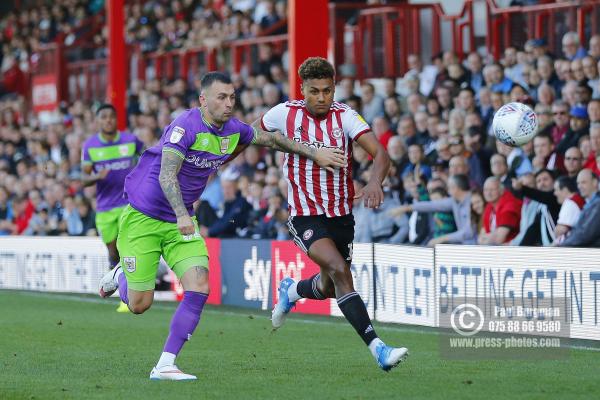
(107,158)
(159,219)
(320,201)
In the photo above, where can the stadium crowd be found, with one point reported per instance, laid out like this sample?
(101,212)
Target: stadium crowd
(450,181)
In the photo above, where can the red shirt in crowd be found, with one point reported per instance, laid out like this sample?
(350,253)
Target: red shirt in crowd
(506,212)
(590,163)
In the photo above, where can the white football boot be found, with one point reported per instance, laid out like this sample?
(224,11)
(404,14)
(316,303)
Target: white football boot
(170,373)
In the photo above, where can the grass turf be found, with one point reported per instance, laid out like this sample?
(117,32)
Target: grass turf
(61,346)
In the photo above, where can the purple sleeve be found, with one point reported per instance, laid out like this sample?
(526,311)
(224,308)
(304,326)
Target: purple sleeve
(85,154)
(139,146)
(178,137)
(246,133)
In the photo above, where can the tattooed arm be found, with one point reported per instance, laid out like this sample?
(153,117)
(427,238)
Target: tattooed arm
(170,164)
(328,158)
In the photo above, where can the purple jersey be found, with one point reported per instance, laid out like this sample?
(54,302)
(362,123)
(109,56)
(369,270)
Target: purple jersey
(119,157)
(203,147)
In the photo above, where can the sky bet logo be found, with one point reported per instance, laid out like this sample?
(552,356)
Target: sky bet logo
(257,276)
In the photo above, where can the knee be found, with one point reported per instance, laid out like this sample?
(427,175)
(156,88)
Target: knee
(338,271)
(139,308)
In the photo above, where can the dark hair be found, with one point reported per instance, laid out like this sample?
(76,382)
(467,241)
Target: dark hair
(566,182)
(545,135)
(211,77)
(461,181)
(547,171)
(106,106)
(316,68)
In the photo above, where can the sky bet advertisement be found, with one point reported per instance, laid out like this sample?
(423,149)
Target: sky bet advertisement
(399,284)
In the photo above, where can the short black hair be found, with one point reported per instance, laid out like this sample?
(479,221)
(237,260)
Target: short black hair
(461,181)
(211,77)
(316,68)
(566,182)
(545,171)
(106,106)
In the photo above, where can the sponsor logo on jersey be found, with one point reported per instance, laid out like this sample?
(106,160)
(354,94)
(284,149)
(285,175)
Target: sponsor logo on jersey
(204,163)
(316,145)
(176,134)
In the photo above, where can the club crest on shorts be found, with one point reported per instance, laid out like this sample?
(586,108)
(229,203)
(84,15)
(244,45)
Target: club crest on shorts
(176,134)
(224,145)
(307,234)
(337,133)
(129,264)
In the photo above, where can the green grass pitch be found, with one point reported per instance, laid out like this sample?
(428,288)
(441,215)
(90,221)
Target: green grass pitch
(77,347)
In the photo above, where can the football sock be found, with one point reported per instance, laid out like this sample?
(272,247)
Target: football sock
(355,312)
(185,320)
(122,282)
(165,359)
(373,346)
(307,289)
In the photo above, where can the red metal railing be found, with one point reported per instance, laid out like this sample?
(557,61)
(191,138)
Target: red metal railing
(366,42)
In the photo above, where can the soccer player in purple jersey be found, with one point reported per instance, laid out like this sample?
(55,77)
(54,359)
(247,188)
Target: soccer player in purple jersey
(158,219)
(107,158)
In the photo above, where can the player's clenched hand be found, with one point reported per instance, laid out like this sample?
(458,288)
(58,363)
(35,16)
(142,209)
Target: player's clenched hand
(185,225)
(372,195)
(330,158)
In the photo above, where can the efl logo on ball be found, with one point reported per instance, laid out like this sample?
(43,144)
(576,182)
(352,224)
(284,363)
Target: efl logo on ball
(515,124)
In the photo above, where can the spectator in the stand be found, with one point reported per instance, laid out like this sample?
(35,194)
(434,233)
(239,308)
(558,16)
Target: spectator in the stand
(499,168)
(416,165)
(381,129)
(235,213)
(593,110)
(573,163)
(495,79)
(477,209)
(571,203)
(541,229)
(586,231)
(595,47)
(571,47)
(397,153)
(393,112)
(590,70)
(578,128)
(545,156)
(6,213)
(560,112)
(407,130)
(372,104)
(426,74)
(459,203)
(545,69)
(501,216)
(517,160)
(474,66)
(380,227)
(590,162)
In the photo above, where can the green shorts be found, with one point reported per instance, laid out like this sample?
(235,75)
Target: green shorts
(143,239)
(107,223)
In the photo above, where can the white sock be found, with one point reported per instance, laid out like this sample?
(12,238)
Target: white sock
(373,346)
(293,292)
(166,359)
(118,272)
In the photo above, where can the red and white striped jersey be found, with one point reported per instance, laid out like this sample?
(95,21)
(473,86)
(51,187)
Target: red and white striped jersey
(313,190)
